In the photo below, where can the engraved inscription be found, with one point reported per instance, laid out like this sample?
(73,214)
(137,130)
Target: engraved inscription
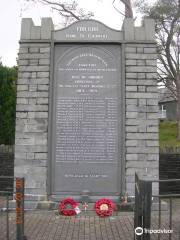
(87,32)
(87,29)
(85,176)
(86,129)
(87,117)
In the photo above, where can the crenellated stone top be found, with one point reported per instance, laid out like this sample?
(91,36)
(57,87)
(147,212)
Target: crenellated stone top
(88,31)
(145,32)
(31,32)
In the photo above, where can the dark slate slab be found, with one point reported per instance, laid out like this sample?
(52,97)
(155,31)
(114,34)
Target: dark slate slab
(87,118)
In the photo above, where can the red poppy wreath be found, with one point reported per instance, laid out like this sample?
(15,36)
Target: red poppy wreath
(104,207)
(68,207)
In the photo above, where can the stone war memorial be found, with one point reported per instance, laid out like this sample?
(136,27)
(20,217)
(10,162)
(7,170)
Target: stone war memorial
(87,106)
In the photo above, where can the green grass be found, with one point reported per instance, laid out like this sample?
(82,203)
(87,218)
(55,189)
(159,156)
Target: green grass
(168,134)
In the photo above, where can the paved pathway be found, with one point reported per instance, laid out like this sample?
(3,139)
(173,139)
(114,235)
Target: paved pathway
(45,225)
(48,225)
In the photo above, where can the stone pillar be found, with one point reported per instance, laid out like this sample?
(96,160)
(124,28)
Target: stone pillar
(32,107)
(141,124)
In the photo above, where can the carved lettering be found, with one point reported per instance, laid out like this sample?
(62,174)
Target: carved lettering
(86,148)
(87,29)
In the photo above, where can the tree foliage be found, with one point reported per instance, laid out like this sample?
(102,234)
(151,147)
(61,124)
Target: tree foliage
(167,16)
(8,78)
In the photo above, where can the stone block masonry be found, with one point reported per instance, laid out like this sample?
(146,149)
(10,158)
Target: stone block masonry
(32,106)
(142,146)
(139,78)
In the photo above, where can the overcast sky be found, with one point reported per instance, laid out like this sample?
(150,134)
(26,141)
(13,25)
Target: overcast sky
(12,11)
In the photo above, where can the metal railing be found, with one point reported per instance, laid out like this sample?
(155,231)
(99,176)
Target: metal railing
(10,188)
(144,200)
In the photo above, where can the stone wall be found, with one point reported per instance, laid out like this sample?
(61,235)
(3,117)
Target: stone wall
(141,100)
(32,106)
(142,145)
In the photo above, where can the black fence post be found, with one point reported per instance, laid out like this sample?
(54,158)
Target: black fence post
(142,211)
(20,209)
(138,207)
(147,201)
(7,217)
